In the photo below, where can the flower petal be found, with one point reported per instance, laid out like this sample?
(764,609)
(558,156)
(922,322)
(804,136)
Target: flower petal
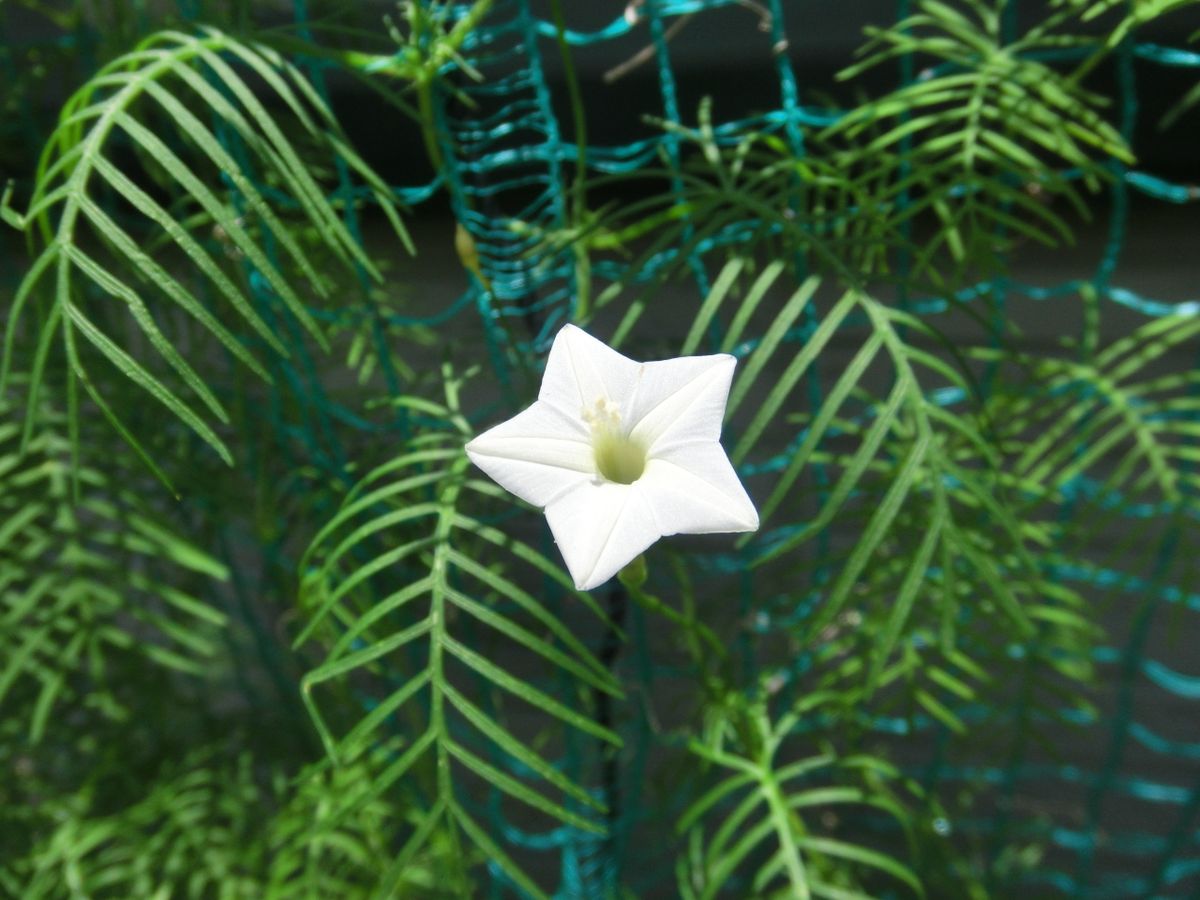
(693,489)
(599,527)
(681,400)
(582,370)
(672,409)
(537,454)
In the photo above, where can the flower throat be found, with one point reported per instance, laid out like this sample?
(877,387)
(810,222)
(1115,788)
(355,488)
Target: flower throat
(619,458)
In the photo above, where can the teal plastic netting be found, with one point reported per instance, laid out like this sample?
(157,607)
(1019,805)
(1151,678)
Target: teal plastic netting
(1117,805)
(1124,822)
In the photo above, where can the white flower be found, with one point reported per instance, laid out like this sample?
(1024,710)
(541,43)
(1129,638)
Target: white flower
(620,453)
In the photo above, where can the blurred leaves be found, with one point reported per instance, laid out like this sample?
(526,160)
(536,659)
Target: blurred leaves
(87,582)
(214,826)
(148,100)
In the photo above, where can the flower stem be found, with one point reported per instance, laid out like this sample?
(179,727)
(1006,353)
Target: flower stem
(610,649)
(583,266)
(634,576)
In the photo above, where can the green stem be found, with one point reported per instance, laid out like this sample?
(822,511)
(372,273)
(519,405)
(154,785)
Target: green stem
(782,821)
(428,129)
(438,634)
(583,265)
(633,576)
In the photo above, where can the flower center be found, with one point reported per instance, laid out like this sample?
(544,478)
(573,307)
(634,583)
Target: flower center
(618,457)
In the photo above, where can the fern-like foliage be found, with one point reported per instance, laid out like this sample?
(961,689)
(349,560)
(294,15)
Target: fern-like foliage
(753,192)
(915,481)
(1133,15)
(890,510)
(984,140)
(921,496)
(86,584)
(1130,414)
(209,826)
(178,103)
(754,829)
(1130,476)
(413,576)
(979,151)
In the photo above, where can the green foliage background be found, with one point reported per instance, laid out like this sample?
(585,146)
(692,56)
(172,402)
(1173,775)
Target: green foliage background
(264,631)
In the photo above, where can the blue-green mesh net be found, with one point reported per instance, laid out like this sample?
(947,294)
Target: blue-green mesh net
(1126,821)
(1124,818)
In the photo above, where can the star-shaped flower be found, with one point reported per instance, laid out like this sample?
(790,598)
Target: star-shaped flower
(620,453)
